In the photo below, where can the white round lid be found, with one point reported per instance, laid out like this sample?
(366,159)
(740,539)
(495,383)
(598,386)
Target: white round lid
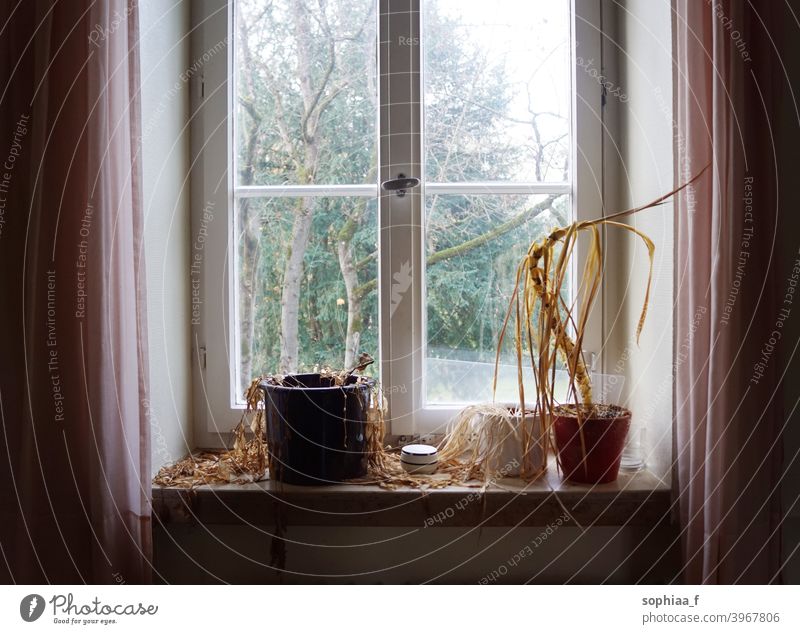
(419,454)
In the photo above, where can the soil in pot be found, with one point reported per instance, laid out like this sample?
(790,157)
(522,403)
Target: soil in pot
(590,452)
(316,430)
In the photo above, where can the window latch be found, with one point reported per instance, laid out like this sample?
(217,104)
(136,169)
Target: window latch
(400,184)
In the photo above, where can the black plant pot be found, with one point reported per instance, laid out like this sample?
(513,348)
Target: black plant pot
(316,430)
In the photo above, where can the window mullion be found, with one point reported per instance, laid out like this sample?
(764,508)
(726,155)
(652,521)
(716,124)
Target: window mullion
(401,267)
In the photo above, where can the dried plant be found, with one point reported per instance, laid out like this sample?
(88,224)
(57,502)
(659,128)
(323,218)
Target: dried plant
(558,329)
(475,440)
(246,462)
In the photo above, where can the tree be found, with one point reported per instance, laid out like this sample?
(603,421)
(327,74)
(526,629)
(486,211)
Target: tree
(308,266)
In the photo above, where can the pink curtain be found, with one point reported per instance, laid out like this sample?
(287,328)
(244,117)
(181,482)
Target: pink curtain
(730,281)
(75,473)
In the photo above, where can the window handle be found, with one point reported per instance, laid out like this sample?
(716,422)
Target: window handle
(400,184)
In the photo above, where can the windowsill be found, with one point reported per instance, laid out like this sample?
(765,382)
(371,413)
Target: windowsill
(634,499)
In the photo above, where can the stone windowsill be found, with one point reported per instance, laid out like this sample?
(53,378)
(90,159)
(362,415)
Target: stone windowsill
(634,499)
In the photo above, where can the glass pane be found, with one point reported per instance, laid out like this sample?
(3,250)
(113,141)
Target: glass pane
(306,92)
(473,247)
(307,273)
(497,90)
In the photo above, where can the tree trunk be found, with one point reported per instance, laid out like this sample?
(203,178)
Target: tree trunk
(290,292)
(248,272)
(304,215)
(355,321)
(344,249)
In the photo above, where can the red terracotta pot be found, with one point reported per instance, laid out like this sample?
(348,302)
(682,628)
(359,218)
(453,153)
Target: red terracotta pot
(603,438)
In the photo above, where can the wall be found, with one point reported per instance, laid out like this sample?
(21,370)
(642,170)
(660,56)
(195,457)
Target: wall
(242,554)
(199,554)
(643,127)
(639,136)
(165,110)
(639,168)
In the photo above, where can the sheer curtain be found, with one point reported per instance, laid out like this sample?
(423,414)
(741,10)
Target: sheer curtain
(74,369)
(728,410)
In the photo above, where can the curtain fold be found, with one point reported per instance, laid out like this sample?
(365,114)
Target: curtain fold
(73,382)
(729,275)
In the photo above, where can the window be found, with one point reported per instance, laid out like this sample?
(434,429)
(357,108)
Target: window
(303,260)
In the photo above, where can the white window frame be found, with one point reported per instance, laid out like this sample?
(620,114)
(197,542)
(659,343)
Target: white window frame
(402,334)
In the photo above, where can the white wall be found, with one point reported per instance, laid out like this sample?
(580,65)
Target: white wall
(640,135)
(639,58)
(241,554)
(165,109)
